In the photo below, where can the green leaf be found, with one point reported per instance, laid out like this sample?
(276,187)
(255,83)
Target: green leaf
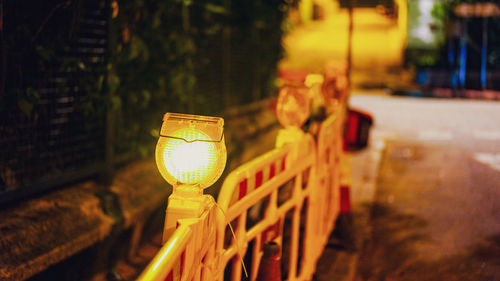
(32,94)
(143,151)
(216,9)
(116,102)
(132,98)
(25,106)
(145,98)
(100,82)
(45,53)
(156,22)
(155,133)
(138,49)
(113,82)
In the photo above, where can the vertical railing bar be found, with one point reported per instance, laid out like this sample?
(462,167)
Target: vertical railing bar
(256,257)
(240,237)
(294,243)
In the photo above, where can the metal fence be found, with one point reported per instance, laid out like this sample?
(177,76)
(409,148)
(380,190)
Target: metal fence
(46,137)
(59,124)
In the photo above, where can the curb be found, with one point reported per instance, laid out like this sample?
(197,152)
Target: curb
(339,260)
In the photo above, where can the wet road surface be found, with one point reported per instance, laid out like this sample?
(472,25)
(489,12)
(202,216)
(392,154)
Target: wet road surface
(436,212)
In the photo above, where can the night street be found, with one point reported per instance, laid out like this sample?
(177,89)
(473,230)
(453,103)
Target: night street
(436,214)
(288,140)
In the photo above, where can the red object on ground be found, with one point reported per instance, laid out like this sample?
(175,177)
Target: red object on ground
(351,133)
(345,199)
(270,265)
(357,129)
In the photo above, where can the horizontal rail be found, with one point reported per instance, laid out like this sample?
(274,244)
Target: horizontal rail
(170,254)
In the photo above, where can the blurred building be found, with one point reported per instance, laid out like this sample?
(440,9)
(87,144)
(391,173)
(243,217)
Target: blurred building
(379,39)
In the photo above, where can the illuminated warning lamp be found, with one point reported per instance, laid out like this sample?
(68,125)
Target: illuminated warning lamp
(293,106)
(191,150)
(313,79)
(314,82)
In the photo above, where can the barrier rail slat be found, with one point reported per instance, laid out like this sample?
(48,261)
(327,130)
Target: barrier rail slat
(190,251)
(263,191)
(259,189)
(160,267)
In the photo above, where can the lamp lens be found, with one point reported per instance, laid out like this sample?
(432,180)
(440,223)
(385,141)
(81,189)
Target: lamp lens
(292,107)
(191,149)
(189,162)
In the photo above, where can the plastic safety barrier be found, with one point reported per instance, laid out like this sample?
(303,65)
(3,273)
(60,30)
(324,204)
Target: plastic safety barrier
(329,150)
(259,196)
(289,196)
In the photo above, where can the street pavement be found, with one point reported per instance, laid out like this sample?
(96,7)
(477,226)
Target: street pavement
(340,256)
(435,213)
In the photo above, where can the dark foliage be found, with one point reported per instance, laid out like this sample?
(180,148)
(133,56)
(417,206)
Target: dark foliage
(84,84)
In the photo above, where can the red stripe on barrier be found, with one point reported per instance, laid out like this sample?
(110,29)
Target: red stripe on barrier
(345,199)
(183,262)
(170,276)
(243,188)
(272,171)
(258,179)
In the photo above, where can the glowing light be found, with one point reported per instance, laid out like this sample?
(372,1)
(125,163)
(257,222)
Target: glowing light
(189,162)
(191,149)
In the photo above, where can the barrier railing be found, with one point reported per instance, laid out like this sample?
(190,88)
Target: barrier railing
(289,195)
(326,190)
(189,252)
(257,185)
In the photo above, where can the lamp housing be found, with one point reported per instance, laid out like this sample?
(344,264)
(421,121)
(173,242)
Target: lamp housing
(191,149)
(293,106)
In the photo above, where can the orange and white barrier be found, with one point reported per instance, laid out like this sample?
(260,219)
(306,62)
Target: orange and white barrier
(328,175)
(289,196)
(282,169)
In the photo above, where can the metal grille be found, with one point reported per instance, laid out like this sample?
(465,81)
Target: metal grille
(59,121)
(47,136)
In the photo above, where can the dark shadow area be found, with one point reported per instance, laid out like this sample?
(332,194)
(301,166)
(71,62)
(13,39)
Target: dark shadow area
(390,247)
(287,238)
(390,252)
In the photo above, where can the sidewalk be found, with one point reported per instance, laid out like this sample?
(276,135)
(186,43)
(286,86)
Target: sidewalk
(449,93)
(340,257)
